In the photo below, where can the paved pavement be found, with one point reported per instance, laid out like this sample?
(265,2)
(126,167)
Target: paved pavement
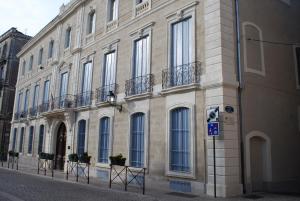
(21,186)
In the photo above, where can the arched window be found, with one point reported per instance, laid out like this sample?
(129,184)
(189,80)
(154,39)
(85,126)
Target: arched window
(104,133)
(41,139)
(180,145)
(68,37)
(21,140)
(50,51)
(137,140)
(81,137)
(91,22)
(30,139)
(253,49)
(40,61)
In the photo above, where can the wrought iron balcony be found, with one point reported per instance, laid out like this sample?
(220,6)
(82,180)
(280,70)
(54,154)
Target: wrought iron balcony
(103,92)
(33,112)
(23,115)
(62,102)
(44,107)
(181,75)
(139,85)
(84,99)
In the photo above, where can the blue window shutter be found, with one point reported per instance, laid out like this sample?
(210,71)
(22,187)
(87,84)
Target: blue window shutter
(104,140)
(180,140)
(137,140)
(81,137)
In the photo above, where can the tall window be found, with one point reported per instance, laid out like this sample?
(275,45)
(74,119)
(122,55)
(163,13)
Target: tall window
(14,139)
(180,155)
(68,37)
(35,97)
(25,108)
(40,61)
(91,22)
(86,85)
(46,95)
(41,139)
(30,140)
(30,63)
(21,140)
(63,89)
(81,137)
(112,10)
(104,140)
(4,50)
(50,51)
(297,53)
(137,140)
(109,75)
(23,67)
(2,75)
(19,102)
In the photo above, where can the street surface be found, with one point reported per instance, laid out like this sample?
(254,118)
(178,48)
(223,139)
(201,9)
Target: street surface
(18,186)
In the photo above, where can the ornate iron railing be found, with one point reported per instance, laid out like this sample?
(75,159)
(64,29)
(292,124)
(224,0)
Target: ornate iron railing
(33,112)
(62,102)
(44,107)
(84,99)
(181,75)
(139,85)
(103,92)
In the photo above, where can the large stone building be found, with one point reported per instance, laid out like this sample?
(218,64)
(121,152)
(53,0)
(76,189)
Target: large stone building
(166,62)
(11,43)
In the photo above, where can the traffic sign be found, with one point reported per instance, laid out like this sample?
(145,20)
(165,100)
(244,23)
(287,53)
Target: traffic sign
(213,129)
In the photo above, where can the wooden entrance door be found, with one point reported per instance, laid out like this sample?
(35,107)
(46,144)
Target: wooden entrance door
(60,147)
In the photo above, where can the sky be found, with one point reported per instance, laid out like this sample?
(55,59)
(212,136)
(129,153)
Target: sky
(28,16)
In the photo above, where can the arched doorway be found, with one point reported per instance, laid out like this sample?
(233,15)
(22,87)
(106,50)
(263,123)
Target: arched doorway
(60,152)
(259,165)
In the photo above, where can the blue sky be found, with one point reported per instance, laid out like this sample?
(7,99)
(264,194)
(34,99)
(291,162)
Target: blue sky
(28,16)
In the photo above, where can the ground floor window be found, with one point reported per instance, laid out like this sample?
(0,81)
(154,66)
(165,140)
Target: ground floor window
(104,140)
(137,140)
(81,137)
(30,141)
(41,138)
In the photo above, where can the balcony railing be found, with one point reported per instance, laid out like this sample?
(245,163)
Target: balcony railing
(44,107)
(23,115)
(84,99)
(103,92)
(142,7)
(17,116)
(33,112)
(139,85)
(62,102)
(181,75)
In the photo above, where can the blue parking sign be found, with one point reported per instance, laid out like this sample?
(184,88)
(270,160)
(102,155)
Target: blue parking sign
(213,129)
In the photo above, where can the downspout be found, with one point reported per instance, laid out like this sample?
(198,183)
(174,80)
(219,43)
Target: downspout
(239,78)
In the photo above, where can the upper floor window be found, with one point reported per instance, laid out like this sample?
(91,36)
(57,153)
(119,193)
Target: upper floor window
(40,60)
(91,22)
(25,106)
(109,75)
(104,138)
(63,99)
(50,51)
(81,137)
(297,55)
(85,97)
(46,91)
(112,10)
(4,50)
(20,97)
(30,63)
(23,67)
(35,97)
(68,38)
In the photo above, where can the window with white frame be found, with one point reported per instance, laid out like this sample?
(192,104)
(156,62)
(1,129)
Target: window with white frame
(81,137)
(180,145)
(21,141)
(86,84)
(109,75)
(35,98)
(25,106)
(112,10)
(104,140)
(297,65)
(50,50)
(91,22)
(137,140)
(45,104)
(68,37)
(30,63)
(30,139)
(40,59)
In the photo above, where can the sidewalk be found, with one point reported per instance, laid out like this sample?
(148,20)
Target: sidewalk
(152,193)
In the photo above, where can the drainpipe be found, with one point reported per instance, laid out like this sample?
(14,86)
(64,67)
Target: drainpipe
(239,78)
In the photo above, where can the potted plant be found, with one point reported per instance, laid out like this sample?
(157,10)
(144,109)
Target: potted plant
(13,154)
(46,156)
(117,160)
(73,157)
(85,158)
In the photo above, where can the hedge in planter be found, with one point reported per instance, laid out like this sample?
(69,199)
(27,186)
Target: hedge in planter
(73,157)
(46,156)
(117,160)
(85,158)
(13,154)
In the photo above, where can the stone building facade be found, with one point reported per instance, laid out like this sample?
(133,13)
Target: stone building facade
(166,63)
(11,43)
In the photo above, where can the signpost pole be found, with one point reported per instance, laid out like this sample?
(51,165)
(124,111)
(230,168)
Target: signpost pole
(215,177)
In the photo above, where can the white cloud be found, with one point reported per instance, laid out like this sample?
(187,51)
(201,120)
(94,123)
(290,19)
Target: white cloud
(28,16)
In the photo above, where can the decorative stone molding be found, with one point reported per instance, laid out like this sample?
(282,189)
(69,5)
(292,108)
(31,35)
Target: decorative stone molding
(142,7)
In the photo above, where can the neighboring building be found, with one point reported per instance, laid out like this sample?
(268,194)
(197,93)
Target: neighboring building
(166,62)
(11,43)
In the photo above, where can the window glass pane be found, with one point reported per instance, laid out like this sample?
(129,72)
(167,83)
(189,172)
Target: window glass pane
(87,78)
(14,139)
(21,140)
(46,91)
(30,141)
(81,137)
(141,49)
(26,100)
(104,140)
(41,139)
(180,140)
(35,96)
(137,140)
(109,69)
(64,84)
(19,102)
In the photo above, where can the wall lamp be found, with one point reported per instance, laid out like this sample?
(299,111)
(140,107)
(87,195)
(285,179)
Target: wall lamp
(111,97)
